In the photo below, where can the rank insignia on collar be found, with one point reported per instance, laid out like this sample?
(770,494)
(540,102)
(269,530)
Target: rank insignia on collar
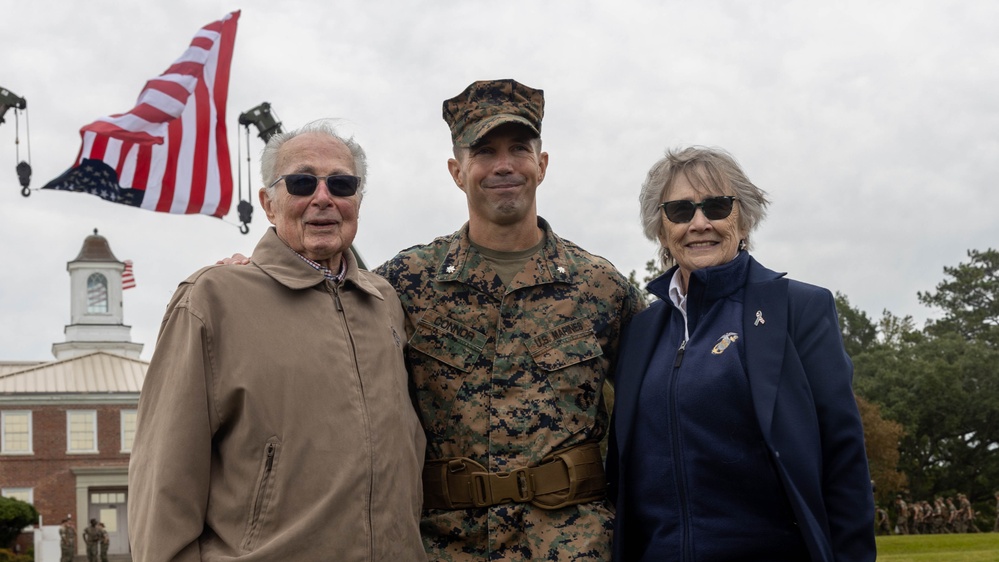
(723,343)
(450,269)
(561,269)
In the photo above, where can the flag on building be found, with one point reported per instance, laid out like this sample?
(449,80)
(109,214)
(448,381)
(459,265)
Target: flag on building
(127,278)
(169,152)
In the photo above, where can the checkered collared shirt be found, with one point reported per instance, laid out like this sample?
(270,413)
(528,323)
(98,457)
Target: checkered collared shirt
(327,272)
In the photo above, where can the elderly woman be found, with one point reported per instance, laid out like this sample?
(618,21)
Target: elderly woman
(736,435)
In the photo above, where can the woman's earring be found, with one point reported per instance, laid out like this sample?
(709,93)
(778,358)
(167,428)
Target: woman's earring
(742,244)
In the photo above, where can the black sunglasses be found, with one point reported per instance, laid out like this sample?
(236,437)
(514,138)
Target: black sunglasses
(304,185)
(714,208)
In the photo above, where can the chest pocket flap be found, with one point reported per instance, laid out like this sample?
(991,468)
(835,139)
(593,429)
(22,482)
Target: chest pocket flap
(565,345)
(448,341)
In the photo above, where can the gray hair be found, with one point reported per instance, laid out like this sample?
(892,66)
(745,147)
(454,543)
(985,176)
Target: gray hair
(269,157)
(709,170)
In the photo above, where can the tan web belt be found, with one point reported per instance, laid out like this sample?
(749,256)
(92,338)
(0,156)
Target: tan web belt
(567,477)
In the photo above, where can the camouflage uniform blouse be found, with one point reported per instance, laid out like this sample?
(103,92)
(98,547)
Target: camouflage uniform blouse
(505,375)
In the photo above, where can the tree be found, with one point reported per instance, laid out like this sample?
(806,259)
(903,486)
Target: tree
(882,438)
(944,391)
(15,515)
(859,332)
(969,299)
(652,270)
(941,384)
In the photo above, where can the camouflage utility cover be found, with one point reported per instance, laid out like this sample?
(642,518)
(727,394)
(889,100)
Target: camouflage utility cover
(487,104)
(507,375)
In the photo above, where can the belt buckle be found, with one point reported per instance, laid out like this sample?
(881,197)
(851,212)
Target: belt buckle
(495,488)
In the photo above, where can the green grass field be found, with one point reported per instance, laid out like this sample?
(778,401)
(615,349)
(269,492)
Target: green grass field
(972,547)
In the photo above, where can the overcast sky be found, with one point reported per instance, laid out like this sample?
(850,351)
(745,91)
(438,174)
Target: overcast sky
(873,125)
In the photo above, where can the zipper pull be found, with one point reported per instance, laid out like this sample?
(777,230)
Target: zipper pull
(336,296)
(270,456)
(679,355)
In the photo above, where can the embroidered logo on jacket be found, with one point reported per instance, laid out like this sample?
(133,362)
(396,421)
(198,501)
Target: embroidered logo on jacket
(724,342)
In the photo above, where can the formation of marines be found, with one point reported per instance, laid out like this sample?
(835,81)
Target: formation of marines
(922,517)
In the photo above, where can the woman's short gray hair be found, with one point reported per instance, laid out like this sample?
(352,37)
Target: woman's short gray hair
(709,170)
(269,157)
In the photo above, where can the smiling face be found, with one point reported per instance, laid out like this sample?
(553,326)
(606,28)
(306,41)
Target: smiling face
(318,226)
(701,242)
(500,176)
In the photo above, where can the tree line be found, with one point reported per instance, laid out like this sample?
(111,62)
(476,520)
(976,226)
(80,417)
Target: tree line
(930,396)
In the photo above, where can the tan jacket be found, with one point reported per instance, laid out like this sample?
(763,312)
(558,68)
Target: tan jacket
(275,421)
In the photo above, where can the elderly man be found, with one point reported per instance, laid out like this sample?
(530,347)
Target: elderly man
(512,332)
(275,421)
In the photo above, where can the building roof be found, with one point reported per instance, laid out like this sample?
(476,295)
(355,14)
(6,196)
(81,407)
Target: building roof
(7,367)
(98,372)
(95,248)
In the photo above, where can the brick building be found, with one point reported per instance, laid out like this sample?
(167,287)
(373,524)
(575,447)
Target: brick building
(66,426)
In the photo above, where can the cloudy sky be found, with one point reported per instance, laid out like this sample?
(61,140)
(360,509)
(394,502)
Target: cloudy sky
(873,125)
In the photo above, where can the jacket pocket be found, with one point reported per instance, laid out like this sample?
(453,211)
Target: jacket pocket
(262,496)
(568,355)
(448,351)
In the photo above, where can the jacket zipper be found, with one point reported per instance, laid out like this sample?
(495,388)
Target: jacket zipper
(258,503)
(360,383)
(336,296)
(268,464)
(675,438)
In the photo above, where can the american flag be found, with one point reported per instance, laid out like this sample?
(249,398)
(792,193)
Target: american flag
(169,152)
(127,278)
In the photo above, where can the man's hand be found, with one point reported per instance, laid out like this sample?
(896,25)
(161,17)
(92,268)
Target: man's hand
(236,259)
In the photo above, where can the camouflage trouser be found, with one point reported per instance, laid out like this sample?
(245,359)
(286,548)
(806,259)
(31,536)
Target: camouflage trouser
(92,552)
(67,554)
(519,533)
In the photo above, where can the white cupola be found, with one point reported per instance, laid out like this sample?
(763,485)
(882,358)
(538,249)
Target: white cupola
(96,317)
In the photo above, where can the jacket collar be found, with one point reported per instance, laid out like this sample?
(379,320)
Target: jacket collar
(464,264)
(283,265)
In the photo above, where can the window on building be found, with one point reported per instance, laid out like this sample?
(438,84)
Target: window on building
(26,495)
(81,431)
(15,432)
(107,498)
(128,418)
(97,294)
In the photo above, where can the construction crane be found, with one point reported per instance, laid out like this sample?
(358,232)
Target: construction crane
(267,124)
(10,100)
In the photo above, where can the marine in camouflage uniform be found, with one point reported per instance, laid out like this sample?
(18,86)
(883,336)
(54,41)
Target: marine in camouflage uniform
(901,516)
(67,540)
(105,542)
(939,516)
(92,536)
(966,515)
(507,373)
